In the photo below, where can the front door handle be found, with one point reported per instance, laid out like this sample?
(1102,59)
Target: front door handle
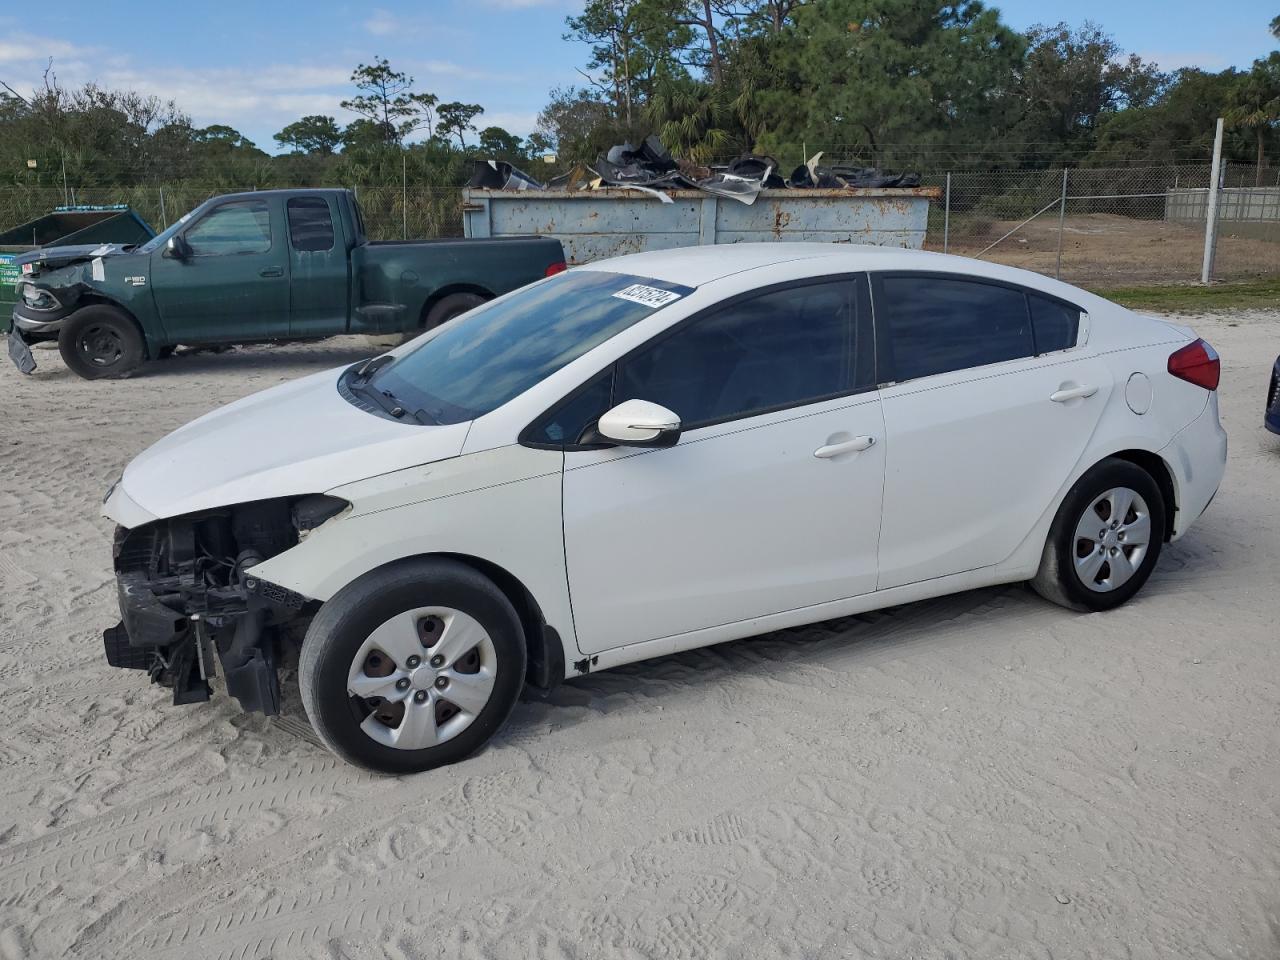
(1072,393)
(848,446)
(272,272)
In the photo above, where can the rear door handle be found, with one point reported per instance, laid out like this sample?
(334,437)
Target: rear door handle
(1072,393)
(848,446)
(272,272)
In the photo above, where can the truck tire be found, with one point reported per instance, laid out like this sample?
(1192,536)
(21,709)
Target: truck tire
(99,342)
(446,308)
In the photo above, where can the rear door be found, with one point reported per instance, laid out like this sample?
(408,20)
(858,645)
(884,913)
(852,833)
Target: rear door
(319,267)
(991,406)
(235,284)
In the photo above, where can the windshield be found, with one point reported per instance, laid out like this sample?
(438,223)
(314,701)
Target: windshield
(161,238)
(499,350)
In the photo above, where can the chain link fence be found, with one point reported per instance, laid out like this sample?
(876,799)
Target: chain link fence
(1100,227)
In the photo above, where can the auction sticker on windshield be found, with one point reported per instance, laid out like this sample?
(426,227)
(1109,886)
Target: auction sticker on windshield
(647,296)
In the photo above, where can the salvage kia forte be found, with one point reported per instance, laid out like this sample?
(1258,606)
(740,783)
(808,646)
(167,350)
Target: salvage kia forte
(650,454)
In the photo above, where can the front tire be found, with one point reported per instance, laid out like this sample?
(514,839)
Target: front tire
(1105,540)
(99,342)
(412,666)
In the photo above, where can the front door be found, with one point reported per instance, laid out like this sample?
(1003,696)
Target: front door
(994,408)
(234,286)
(771,499)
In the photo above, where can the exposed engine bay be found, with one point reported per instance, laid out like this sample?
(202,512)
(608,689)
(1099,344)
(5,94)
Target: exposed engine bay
(187,599)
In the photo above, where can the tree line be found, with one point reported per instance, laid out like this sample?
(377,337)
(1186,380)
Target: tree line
(920,84)
(908,83)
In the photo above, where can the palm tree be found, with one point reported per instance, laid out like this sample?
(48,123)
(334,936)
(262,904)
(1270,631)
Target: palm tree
(1257,105)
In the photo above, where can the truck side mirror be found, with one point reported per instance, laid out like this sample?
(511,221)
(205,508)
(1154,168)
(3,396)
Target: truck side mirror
(177,248)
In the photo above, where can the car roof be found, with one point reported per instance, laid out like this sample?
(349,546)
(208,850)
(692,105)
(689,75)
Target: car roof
(695,266)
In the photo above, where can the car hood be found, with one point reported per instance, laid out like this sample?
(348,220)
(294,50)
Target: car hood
(53,257)
(295,439)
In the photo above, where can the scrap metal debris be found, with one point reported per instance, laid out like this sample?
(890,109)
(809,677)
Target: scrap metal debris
(650,169)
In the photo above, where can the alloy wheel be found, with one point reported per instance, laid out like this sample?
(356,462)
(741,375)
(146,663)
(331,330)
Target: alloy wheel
(1112,539)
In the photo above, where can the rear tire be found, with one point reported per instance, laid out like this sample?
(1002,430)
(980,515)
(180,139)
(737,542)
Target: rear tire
(1105,540)
(447,308)
(99,342)
(379,666)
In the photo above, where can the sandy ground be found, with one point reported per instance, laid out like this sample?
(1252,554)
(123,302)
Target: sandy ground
(980,776)
(1105,250)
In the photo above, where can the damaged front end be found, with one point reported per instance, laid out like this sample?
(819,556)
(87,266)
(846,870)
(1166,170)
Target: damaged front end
(187,598)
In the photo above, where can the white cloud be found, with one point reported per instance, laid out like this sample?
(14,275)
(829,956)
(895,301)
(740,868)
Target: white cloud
(382,23)
(257,101)
(24,48)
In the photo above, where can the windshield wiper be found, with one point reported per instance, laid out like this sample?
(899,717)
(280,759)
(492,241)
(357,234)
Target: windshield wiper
(372,365)
(387,402)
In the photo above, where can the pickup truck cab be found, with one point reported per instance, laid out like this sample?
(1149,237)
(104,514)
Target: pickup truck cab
(254,267)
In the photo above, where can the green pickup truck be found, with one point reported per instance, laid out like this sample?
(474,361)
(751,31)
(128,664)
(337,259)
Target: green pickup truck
(255,267)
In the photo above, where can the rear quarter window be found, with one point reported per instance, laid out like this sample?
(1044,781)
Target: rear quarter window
(1056,324)
(310,225)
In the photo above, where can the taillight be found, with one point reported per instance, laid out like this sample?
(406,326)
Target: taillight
(1197,363)
(558,267)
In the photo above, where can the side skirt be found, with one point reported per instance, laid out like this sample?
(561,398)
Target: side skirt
(895,596)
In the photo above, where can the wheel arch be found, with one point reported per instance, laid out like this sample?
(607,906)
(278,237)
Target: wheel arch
(1154,465)
(95,299)
(544,645)
(447,291)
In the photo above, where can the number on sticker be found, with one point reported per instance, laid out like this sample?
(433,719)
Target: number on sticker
(648,296)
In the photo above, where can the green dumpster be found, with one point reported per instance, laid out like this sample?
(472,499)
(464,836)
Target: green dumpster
(64,227)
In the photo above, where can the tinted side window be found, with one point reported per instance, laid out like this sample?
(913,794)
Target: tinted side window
(1057,324)
(938,324)
(243,226)
(310,225)
(778,349)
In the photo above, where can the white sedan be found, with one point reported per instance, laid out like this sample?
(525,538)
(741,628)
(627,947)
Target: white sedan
(650,454)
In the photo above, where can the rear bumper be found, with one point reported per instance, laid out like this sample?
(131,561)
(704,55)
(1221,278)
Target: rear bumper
(1197,455)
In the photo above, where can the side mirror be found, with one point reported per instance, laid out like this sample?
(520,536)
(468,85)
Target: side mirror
(177,247)
(639,423)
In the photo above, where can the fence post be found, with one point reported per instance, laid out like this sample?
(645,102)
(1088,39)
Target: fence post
(164,217)
(404,195)
(66,197)
(946,217)
(1062,216)
(1211,214)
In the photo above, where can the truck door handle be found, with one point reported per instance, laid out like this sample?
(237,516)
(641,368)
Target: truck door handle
(855,445)
(271,272)
(1072,393)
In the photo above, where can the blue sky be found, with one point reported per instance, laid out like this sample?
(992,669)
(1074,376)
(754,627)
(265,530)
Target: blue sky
(257,66)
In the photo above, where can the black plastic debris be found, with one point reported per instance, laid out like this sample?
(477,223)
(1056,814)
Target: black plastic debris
(650,168)
(500,175)
(758,168)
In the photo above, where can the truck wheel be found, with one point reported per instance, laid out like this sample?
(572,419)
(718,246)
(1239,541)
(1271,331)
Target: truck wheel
(412,666)
(99,342)
(449,307)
